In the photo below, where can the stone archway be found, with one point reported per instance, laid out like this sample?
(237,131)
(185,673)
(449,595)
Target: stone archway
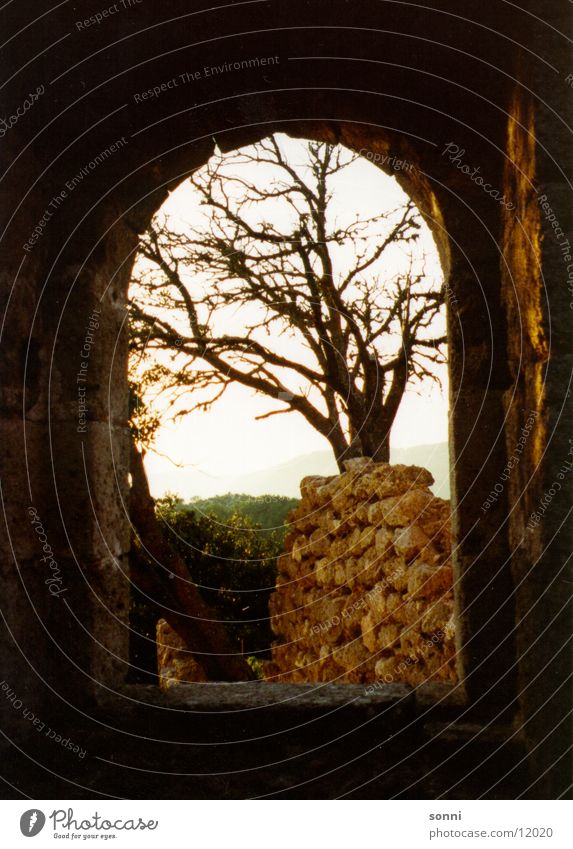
(98,279)
(83,234)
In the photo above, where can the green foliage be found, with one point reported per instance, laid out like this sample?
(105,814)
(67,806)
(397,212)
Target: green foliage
(143,421)
(269,512)
(233,563)
(257,666)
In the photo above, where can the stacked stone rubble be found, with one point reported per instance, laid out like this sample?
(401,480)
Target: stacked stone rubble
(175,664)
(365,590)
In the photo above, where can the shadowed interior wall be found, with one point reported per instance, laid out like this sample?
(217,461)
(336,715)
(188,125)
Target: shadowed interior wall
(396,78)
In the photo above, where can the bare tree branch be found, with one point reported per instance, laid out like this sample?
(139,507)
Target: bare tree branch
(267,243)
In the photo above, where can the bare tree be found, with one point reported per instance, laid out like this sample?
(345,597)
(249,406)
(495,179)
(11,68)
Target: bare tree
(327,331)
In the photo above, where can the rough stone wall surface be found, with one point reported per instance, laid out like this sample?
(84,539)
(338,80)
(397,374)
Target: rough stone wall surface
(365,590)
(174,663)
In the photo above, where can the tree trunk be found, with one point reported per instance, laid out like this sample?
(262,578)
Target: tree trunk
(375,437)
(375,432)
(379,448)
(342,450)
(169,585)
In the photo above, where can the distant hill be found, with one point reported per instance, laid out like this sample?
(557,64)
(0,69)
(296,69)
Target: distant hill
(268,511)
(284,479)
(435,458)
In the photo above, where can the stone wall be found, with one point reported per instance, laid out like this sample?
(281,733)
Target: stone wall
(365,590)
(175,663)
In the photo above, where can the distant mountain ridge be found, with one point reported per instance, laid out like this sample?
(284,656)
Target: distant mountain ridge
(284,478)
(435,458)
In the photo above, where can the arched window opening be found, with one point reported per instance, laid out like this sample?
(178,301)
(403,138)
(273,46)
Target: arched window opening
(289,384)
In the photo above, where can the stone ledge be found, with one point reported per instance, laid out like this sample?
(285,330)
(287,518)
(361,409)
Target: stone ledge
(434,705)
(260,695)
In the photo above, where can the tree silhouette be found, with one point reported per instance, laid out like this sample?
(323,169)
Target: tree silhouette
(328,331)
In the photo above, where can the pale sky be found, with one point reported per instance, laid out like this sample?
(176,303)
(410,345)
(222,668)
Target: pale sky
(226,441)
